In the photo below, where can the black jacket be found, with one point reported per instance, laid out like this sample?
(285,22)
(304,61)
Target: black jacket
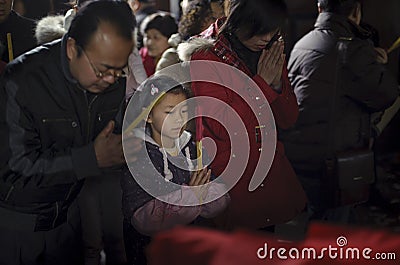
(22,34)
(365,86)
(47,127)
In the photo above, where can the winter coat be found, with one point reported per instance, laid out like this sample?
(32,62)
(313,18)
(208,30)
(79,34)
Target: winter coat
(145,215)
(149,62)
(247,208)
(48,124)
(22,34)
(364,86)
(137,201)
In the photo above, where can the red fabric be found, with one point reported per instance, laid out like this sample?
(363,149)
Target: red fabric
(148,62)
(207,247)
(249,209)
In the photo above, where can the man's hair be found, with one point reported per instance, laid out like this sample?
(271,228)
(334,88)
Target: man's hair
(92,13)
(255,17)
(342,7)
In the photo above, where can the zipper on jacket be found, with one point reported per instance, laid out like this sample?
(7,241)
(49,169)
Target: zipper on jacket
(99,116)
(89,106)
(45,120)
(55,218)
(9,192)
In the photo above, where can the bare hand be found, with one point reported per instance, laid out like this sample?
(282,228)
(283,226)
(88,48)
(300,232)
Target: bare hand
(132,147)
(270,65)
(200,177)
(381,56)
(108,147)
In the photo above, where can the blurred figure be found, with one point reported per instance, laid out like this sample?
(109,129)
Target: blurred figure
(156,29)
(365,87)
(19,29)
(217,7)
(142,9)
(197,18)
(70,14)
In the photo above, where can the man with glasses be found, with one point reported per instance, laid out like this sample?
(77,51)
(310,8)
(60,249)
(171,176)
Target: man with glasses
(57,131)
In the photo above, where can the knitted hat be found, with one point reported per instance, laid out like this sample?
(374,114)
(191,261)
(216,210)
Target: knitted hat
(145,97)
(160,21)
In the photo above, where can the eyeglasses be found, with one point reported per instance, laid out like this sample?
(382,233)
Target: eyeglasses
(116,74)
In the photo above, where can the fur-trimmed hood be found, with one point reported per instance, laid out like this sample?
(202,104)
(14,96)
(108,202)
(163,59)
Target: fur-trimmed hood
(186,49)
(49,28)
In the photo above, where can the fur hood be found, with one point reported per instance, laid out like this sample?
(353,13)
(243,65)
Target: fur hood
(49,28)
(186,49)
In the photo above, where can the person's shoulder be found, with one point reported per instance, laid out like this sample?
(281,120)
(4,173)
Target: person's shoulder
(316,40)
(354,47)
(196,48)
(22,21)
(33,60)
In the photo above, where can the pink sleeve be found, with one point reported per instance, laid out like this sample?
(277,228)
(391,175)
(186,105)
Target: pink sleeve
(212,209)
(157,215)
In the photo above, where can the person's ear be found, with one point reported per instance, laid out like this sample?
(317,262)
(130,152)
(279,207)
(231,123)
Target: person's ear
(71,48)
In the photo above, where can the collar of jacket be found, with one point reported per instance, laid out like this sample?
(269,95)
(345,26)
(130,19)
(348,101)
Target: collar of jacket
(222,47)
(341,25)
(65,62)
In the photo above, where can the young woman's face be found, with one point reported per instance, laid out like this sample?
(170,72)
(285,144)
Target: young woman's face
(258,42)
(155,42)
(168,118)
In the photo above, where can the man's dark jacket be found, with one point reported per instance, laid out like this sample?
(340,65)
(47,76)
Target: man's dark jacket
(22,31)
(365,86)
(47,127)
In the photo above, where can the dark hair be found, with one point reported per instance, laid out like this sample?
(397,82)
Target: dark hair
(342,7)
(92,13)
(191,22)
(254,17)
(161,21)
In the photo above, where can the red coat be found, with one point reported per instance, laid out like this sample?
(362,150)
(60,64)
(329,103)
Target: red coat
(250,209)
(148,62)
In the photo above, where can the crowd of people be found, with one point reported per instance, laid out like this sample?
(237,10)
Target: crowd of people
(103,144)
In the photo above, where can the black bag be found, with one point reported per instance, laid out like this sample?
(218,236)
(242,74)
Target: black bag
(349,174)
(349,177)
